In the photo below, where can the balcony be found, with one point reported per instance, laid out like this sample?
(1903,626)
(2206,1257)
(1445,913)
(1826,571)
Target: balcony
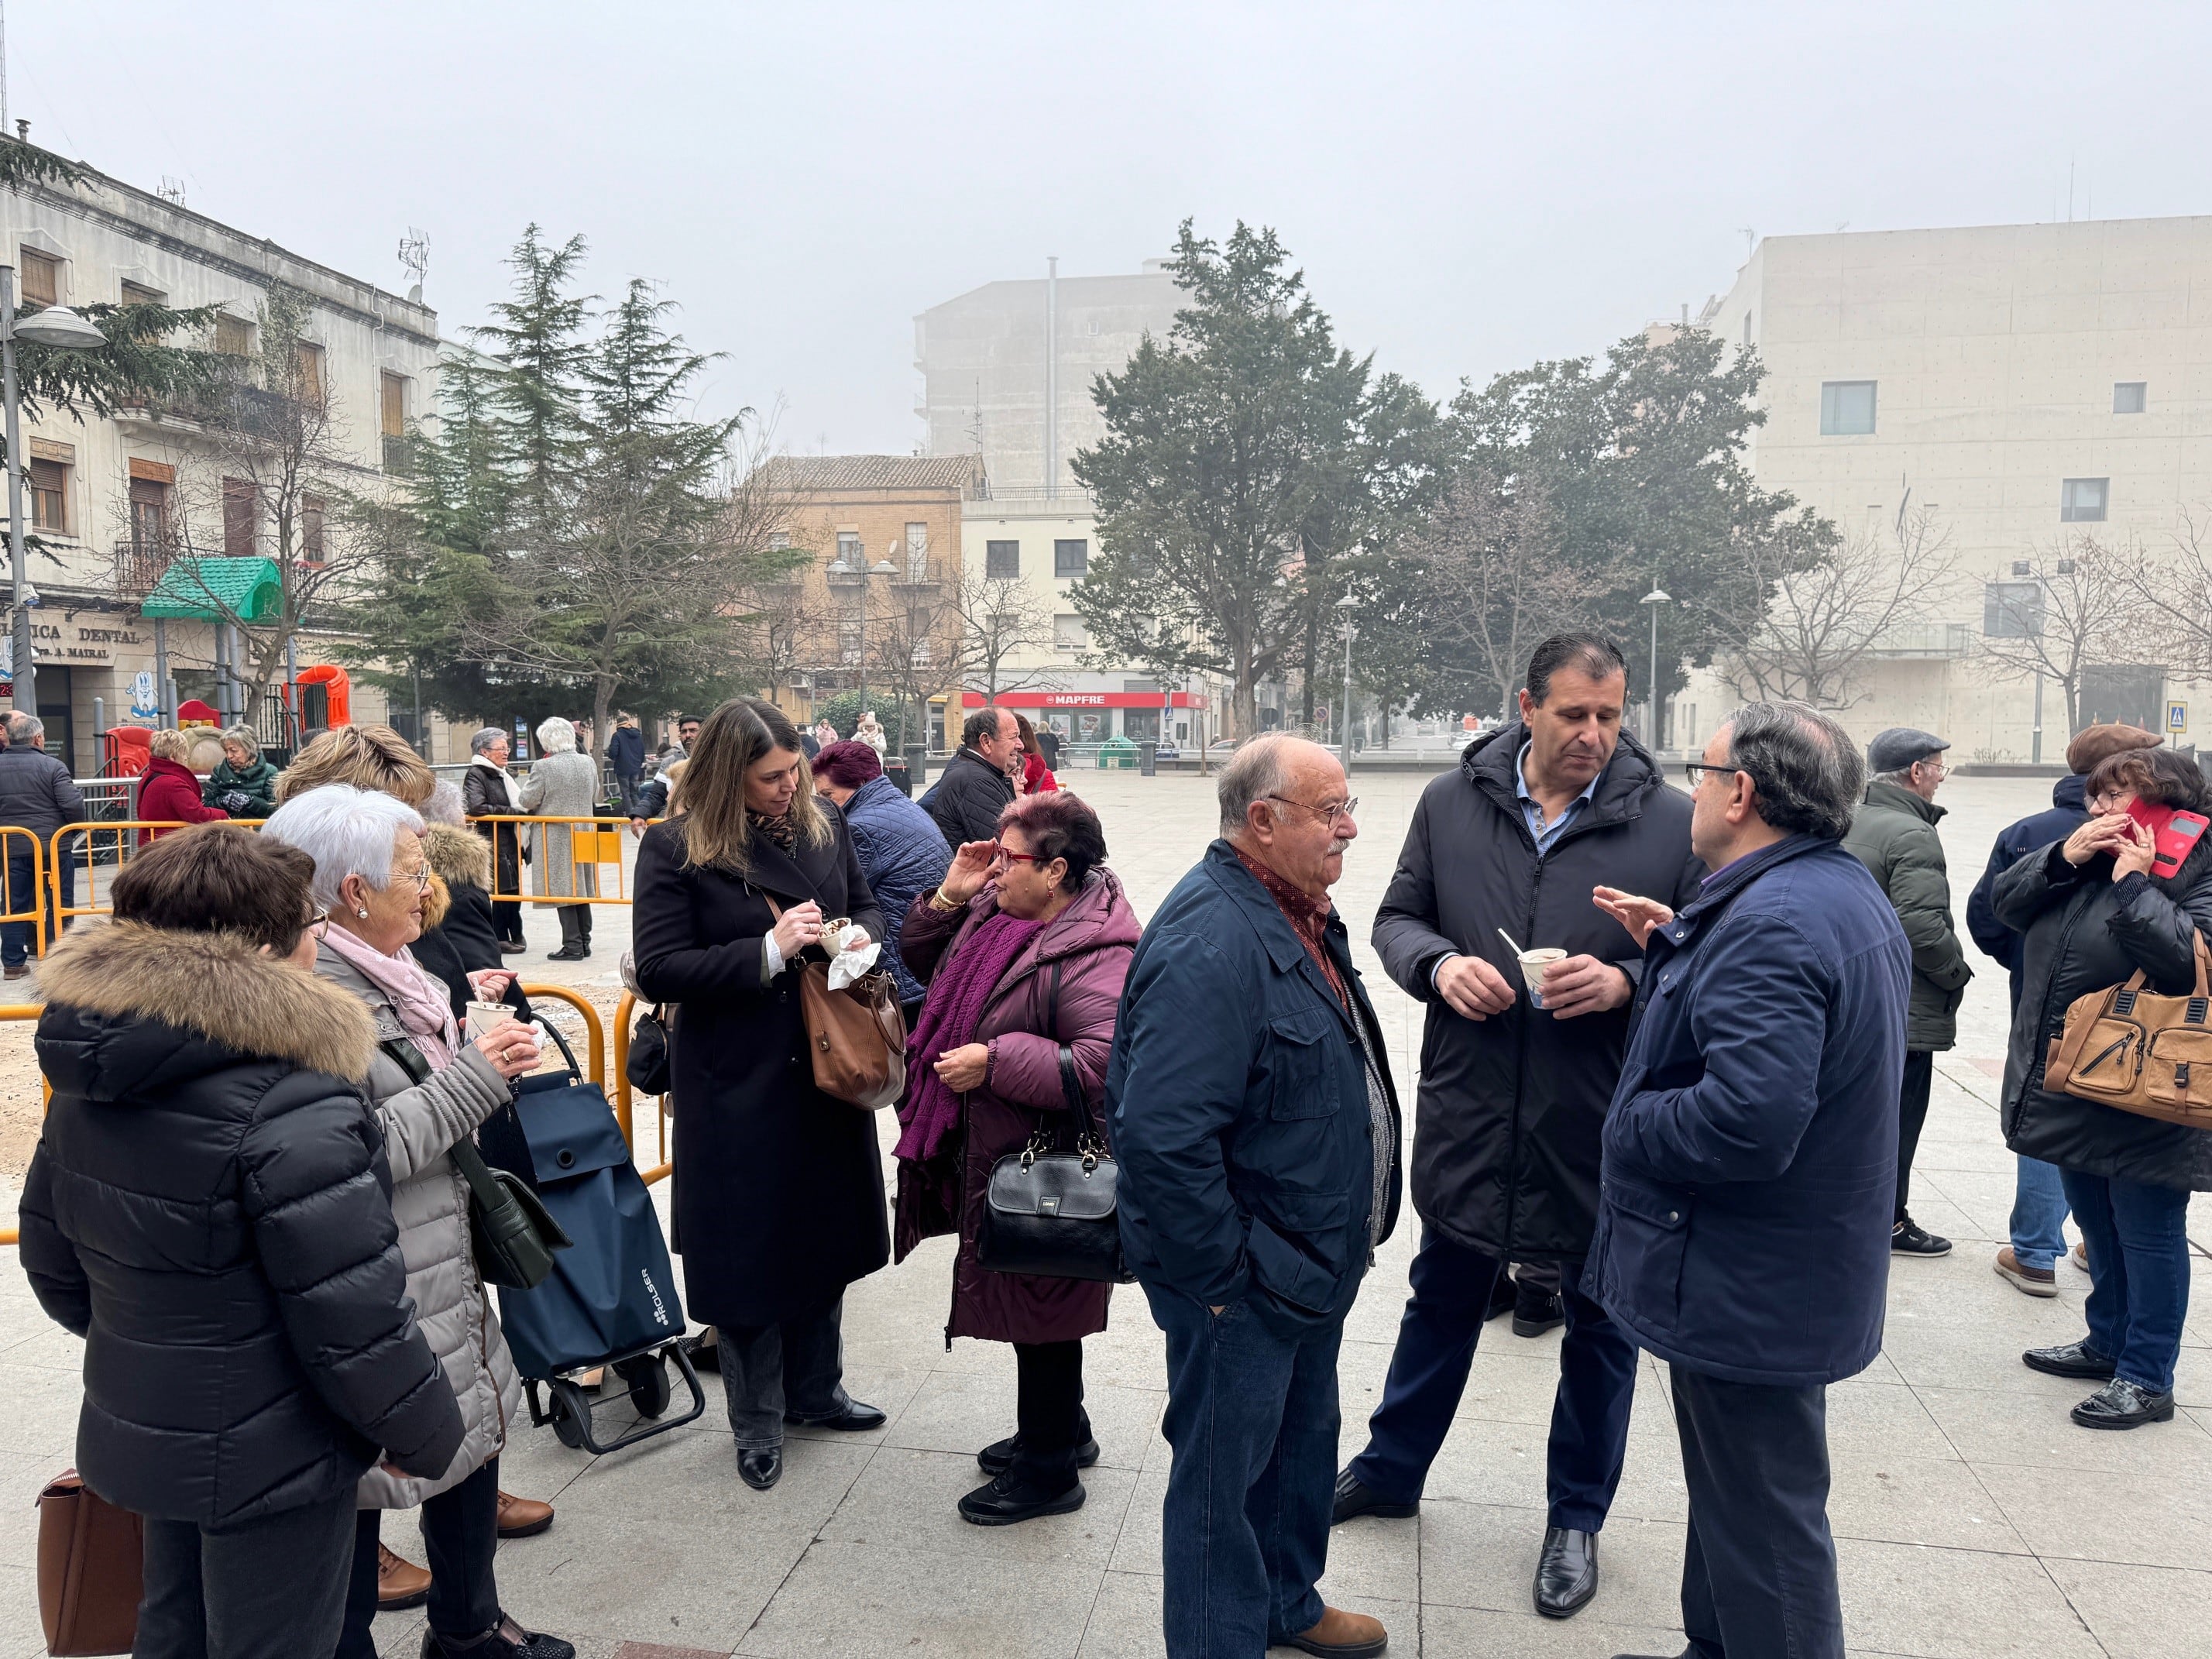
(1924,641)
(140,564)
(918,574)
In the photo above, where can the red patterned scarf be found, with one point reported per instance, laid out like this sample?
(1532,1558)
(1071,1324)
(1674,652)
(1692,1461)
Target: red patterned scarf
(1308,916)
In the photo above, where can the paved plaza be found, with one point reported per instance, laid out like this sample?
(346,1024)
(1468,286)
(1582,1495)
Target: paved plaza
(1971,1518)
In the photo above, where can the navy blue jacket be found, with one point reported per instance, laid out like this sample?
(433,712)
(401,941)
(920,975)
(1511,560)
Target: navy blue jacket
(626,751)
(2070,811)
(1238,1097)
(902,852)
(1751,1155)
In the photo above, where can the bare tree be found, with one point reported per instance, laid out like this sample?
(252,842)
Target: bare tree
(2079,602)
(1002,618)
(1803,629)
(779,627)
(2175,594)
(916,648)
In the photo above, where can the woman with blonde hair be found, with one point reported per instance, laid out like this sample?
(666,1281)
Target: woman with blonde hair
(366,757)
(168,789)
(779,1189)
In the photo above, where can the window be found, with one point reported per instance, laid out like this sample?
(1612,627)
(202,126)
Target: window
(1002,560)
(917,552)
(1068,634)
(1847,407)
(149,512)
(2081,501)
(233,336)
(136,293)
(1746,331)
(2013,610)
(307,363)
(311,530)
(778,541)
(241,509)
(1070,558)
(392,419)
(848,644)
(848,546)
(42,278)
(2127,397)
(919,655)
(49,486)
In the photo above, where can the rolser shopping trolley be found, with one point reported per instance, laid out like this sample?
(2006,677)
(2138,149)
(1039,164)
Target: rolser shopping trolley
(610,1300)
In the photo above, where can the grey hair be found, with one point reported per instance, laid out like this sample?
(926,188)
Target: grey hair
(1902,777)
(22,728)
(1257,770)
(1805,768)
(444,806)
(486,736)
(556,737)
(347,831)
(243,737)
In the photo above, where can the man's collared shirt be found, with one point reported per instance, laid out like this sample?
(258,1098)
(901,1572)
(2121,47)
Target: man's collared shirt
(1533,814)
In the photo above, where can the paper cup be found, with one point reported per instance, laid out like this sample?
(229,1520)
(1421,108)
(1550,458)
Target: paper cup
(484,1017)
(1534,964)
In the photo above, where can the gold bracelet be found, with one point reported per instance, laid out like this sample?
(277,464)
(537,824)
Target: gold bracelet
(938,902)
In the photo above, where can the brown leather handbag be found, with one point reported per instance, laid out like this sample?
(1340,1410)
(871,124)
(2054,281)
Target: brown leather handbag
(857,1037)
(91,1563)
(2143,1053)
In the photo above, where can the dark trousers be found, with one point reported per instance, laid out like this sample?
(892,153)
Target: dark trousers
(1911,1113)
(460,1530)
(273,1588)
(1428,1374)
(507,920)
(1252,1418)
(1759,1569)
(2138,1272)
(1048,1414)
(794,1370)
(576,926)
(19,939)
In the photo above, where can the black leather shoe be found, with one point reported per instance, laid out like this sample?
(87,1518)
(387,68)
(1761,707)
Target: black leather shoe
(1685,1654)
(999,1456)
(1566,1572)
(2121,1404)
(1536,1311)
(1006,1500)
(2071,1359)
(855,1419)
(761,1469)
(1354,1498)
(506,1640)
(1908,1238)
(564,954)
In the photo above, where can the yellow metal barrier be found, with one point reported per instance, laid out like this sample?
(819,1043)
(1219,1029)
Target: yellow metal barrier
(24,1011)
(594,1033)
(594,845)
(82,859)
(33,913)
(625,1012)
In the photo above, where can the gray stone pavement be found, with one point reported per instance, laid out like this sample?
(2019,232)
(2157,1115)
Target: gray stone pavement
(1971,1518)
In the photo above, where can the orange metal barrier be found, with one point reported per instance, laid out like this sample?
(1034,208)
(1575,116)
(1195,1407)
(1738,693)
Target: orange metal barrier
(31,910)
(595,1033)
(24,1011)
(625,1015)
(594,845)
(124,837)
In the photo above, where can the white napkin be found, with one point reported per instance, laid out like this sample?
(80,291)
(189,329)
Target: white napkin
(849,959)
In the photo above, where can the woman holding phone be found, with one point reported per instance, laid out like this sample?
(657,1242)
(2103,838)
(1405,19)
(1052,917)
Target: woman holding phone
(2094,909)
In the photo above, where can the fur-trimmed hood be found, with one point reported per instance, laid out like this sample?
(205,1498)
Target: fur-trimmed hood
(461,857)
(217,985)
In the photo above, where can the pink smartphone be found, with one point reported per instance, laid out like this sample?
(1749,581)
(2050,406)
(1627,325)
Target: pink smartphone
(2176,833)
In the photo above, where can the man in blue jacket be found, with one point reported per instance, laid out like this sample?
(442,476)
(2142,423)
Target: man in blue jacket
(1256,1129)
(1751,1166)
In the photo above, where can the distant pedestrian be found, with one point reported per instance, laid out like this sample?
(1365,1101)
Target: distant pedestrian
(1893,835)
(37,794)
(1750,1167)
(1036,775)
(626,756)
(488,791)
(974,787)
(243,784)
(1252,1113)
(168,789)
(870,732)
(562,785)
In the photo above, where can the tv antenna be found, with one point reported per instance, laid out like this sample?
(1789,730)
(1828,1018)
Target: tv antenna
(171,189)
(414,258)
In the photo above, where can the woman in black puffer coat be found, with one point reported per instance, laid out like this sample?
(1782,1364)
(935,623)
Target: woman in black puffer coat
(2091,915)
(209,1208)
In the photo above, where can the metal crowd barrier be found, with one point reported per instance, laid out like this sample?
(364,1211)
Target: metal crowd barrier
(594,844)
(625,1017)
(86,860)
(33,911)
(594,1033)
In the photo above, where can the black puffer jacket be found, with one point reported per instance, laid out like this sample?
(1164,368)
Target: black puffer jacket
(2085,931)
(966,800)
(211,1209)
(1506,1131)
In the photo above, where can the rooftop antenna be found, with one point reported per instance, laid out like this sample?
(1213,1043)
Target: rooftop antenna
(415,259)
(171,189)
(1750,239)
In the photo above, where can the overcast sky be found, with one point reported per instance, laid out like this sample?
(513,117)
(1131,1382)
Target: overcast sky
(1468,186)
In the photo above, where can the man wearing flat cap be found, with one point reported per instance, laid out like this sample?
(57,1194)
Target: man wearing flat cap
(1893,835)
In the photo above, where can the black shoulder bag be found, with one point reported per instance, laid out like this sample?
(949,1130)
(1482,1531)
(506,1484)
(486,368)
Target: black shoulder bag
(1051,1213)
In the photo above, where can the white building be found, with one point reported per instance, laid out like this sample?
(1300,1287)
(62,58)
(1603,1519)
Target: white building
(2026,384)
(104,492)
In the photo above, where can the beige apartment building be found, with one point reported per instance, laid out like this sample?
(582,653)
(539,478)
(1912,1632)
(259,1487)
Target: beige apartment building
(2025,386)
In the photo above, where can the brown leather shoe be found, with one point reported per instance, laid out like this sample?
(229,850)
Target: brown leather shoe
(1342,1635)
(399,1583)
(522,1518)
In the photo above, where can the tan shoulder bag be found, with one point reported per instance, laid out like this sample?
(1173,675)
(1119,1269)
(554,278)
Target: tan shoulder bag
(2143,1053)
(90,1555)
(857,1037)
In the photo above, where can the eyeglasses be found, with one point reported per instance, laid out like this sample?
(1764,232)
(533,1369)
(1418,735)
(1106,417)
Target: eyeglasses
(1696,771)
(1343,810)
(319,924)
(420,877)
(1002,852)
(1939,770)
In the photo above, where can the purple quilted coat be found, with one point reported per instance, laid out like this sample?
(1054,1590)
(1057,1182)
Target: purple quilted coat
(1090,942)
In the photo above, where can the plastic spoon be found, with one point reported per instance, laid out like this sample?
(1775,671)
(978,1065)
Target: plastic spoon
(1517,951)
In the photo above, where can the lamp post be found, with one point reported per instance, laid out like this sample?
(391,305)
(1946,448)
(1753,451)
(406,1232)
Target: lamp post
(881,567)
(1347,605)
(60,327)
(1658,596)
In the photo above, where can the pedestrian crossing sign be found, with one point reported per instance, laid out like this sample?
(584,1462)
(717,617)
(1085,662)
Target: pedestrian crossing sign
(2177,717)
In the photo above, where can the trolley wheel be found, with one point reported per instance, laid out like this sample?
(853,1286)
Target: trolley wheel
(649,1383)
(569,1412)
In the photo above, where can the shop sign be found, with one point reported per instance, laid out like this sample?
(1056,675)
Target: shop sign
(90,637)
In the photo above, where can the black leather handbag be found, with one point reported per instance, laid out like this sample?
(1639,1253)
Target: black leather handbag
(1050,1214)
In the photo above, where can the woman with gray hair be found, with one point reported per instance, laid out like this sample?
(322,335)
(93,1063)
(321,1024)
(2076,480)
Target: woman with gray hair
(428,1091)
(488,791)
(563,784)
(243,784)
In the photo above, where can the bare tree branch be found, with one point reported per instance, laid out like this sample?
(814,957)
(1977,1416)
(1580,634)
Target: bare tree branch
(2088,608)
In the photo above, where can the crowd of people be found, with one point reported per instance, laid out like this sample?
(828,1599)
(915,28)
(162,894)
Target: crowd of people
(1679,1052)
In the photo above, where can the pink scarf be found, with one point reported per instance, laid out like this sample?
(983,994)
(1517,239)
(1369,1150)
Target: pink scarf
(425,1011)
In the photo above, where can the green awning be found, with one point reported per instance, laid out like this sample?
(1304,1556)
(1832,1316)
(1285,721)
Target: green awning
(206,589)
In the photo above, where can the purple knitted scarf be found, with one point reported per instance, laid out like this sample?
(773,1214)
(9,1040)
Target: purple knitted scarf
(931,1111)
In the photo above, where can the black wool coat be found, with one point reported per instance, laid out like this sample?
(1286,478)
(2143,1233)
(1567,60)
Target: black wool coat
(779,1187)
(1506,1129)
(465,938)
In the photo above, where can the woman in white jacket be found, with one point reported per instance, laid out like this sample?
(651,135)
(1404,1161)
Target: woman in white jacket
(429,1092)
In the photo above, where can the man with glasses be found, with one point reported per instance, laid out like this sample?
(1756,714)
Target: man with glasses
(1513,1091)
(1893,835)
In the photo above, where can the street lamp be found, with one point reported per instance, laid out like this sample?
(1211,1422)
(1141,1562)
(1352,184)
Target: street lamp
(1347,605)
(1658,596)
(58,327)
(840,567)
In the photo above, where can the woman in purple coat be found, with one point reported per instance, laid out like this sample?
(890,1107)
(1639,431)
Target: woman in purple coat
(1023,948)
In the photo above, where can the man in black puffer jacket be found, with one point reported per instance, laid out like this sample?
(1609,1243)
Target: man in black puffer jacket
(209,1208)
(973,789)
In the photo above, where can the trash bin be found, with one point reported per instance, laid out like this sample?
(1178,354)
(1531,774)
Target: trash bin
(901,780)
(1117,755)
(917,764)
(1148,758)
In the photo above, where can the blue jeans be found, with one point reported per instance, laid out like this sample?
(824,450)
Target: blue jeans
(1429,1367)
(2138,1272)
(1252,1418)
(2039,1213)
(18,938)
